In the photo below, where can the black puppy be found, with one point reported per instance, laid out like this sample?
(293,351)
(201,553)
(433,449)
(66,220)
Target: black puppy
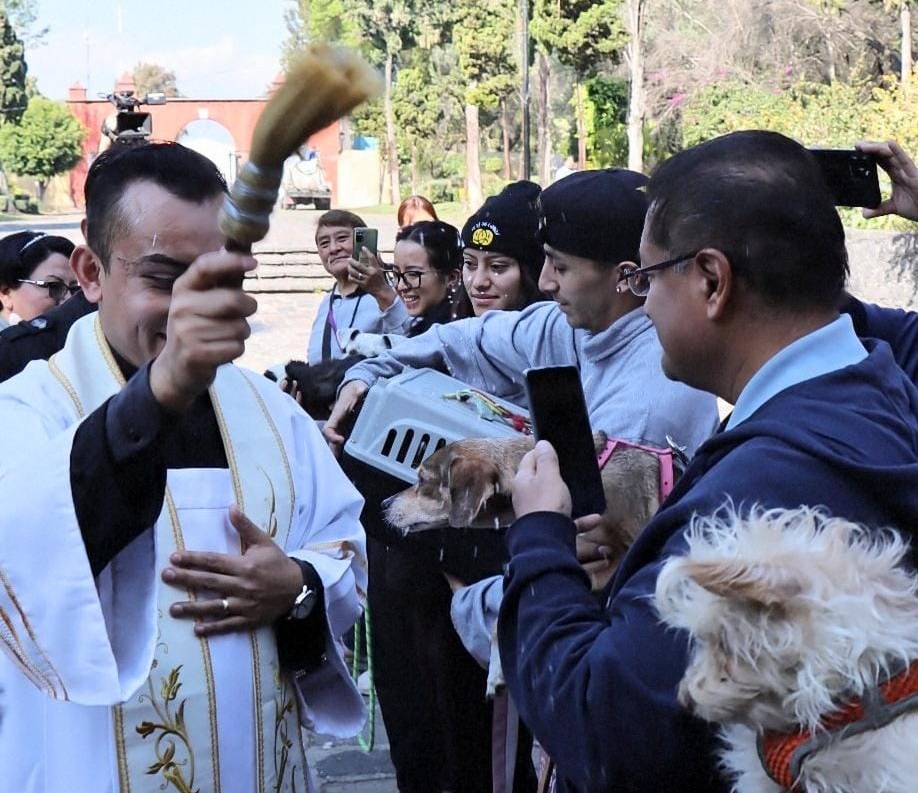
(317,384)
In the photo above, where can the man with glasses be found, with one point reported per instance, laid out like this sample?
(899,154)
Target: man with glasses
(179,550)
(744,267)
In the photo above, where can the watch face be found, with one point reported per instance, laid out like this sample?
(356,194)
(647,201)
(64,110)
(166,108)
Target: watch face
(305,603)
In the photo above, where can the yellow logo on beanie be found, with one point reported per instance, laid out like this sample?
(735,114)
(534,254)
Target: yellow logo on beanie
(482,236)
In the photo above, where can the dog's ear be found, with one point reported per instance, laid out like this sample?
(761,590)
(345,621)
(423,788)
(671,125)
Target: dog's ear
(471,483)
(768,584)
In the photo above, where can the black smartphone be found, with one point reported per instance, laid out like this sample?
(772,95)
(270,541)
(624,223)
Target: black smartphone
(851,176)
(364,238)
(558,411)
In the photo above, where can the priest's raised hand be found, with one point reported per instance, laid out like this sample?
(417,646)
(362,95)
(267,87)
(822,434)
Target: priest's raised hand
(207,327)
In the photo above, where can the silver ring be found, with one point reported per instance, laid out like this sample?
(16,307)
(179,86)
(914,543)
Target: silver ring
(225,603)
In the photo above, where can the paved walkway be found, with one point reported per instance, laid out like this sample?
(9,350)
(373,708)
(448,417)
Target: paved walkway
(342,765)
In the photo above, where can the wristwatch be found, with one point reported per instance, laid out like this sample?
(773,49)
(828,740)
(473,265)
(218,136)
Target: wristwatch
(304,604)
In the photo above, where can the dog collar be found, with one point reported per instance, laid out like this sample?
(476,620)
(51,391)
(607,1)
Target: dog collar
(667,472)
(782,754)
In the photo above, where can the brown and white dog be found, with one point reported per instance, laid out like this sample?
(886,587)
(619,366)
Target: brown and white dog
(467,483)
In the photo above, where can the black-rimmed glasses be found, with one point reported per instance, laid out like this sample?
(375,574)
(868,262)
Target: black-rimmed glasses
(410,278)
(638,279)
(57,290)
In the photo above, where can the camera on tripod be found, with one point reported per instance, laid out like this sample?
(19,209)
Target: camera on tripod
(131,125)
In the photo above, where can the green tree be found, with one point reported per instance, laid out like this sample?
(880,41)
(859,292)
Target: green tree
(607,112)
(318,20)
(483,38)
(582,34)
(387,29)
(23,14)
(48,140)
(151,78)
(13,71)
(417,112)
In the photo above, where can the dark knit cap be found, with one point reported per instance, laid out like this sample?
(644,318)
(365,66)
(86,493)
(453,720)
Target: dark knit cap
(508,223)
(598,215)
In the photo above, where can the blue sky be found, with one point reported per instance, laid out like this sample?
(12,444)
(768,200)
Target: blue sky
(218,50)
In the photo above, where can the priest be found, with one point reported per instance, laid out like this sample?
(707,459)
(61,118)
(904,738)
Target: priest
(179,551)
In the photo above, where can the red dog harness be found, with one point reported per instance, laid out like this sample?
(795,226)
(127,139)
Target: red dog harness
(665,456)
(782,754)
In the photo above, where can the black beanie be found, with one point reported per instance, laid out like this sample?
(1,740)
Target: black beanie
(598,215)
(508,223)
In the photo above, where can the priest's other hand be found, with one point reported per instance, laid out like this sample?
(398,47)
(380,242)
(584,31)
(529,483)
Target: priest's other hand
(241,593)
(206,328)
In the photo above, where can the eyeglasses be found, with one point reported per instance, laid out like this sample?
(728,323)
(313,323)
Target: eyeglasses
(410,278)
(57,290)
(638,277)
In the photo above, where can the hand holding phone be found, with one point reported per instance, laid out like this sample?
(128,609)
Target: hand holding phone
(559,415)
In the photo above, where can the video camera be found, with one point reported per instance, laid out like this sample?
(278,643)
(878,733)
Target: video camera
(131,124)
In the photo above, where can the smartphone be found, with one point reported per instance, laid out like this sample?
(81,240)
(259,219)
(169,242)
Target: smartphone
(364,238)
(851,176)
(559,415)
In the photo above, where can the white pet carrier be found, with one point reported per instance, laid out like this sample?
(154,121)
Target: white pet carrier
(408,417)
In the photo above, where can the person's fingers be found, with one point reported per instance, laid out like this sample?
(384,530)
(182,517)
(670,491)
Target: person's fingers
(587,523)
(208,608)
(209,561)
(230,625)
(197,580)
(217,269)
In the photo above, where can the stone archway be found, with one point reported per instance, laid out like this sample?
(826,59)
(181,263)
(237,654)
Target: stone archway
(214,141)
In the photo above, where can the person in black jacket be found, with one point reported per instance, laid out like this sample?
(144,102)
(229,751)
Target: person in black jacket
(41,337)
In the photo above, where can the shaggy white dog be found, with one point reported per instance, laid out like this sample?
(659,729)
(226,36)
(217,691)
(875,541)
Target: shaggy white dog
(804,645)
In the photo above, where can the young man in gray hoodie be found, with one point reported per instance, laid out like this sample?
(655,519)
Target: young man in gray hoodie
(592,226)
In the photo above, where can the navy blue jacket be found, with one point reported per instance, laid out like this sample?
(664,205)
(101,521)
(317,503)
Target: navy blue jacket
(897,327)
(597,683)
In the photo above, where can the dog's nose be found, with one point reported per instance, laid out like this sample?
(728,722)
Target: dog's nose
(387,501)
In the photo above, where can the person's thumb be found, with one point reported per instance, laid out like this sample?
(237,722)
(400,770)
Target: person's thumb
(249,532)
(545,456)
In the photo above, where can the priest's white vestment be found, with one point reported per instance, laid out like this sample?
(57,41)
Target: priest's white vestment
(104,690)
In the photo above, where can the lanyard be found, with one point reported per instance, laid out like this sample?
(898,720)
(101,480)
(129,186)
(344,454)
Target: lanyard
(331,325)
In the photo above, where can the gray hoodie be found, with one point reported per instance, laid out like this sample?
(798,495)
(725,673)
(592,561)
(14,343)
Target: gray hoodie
(627,394)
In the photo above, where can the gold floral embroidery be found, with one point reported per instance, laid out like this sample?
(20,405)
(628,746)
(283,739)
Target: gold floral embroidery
(283,705)
(169,724)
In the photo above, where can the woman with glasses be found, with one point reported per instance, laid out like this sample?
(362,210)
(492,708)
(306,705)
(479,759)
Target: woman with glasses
(426,266)
(35,275)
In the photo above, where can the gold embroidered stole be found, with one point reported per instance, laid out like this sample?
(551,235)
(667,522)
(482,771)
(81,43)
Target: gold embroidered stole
(167,733)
